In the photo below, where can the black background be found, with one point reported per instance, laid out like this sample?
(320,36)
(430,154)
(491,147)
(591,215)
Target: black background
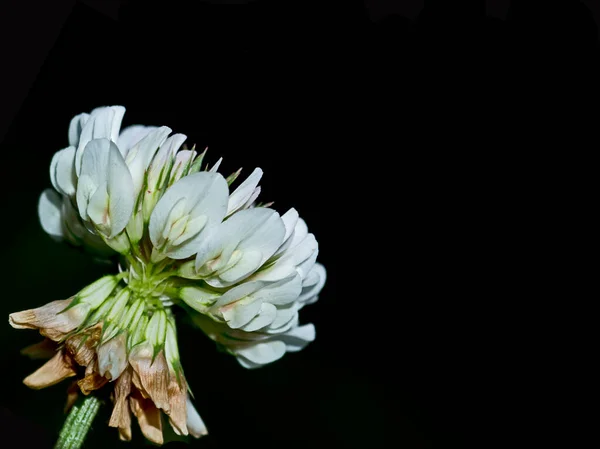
(413,145)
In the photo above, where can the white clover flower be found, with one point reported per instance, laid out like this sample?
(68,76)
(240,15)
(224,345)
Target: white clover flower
(180,237)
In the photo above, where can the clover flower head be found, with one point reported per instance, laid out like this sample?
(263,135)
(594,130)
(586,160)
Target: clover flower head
(179,237)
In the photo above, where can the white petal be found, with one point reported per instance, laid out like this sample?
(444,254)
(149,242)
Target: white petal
(281,292)
(65,178)
(317,277)
(216,166)
(252,198)
(76,233)
(75,128)
(115,123)
(112,357)
(238,292)
(53,164)
(252,232)
(212,246)
(276,272)
(163,156)
(241,312)
(103,123)
(248,364)
(305,267)
(241,195)
(192,228)
(266,315)
(265,235)
(285,314)
(262,353)
(300,232)
(248,264)
(242,303)
(49,210)
(98,204)
(131,135)
(73,228)
(290,218)
(311,278)
(103,165)
(194,423)
(259,233)
(296,339)
(140,156)
(204,194)
(303,251)
(120,191)
(182,160)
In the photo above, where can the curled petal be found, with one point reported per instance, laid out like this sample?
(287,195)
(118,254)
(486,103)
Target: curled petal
(52,372)
(178,405)
(125,433)
(92,379)
(52,320)
(121,416)
(72,395)
(82,346)
(148,417)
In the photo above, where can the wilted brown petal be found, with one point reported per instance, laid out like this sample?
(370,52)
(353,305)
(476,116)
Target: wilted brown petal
(45,349)
(72,394)
(52,372)
(154,376)
(125,433)
(135,378)
(148,417)
(82,345)
(121,415)
(178,405)
(92,380)
(49,320)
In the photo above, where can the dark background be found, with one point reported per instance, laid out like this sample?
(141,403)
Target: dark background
(415,141)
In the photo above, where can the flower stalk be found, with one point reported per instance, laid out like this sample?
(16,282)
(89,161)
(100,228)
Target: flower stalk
(78,423)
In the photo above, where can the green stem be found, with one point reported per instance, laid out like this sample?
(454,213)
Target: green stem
(78,423)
